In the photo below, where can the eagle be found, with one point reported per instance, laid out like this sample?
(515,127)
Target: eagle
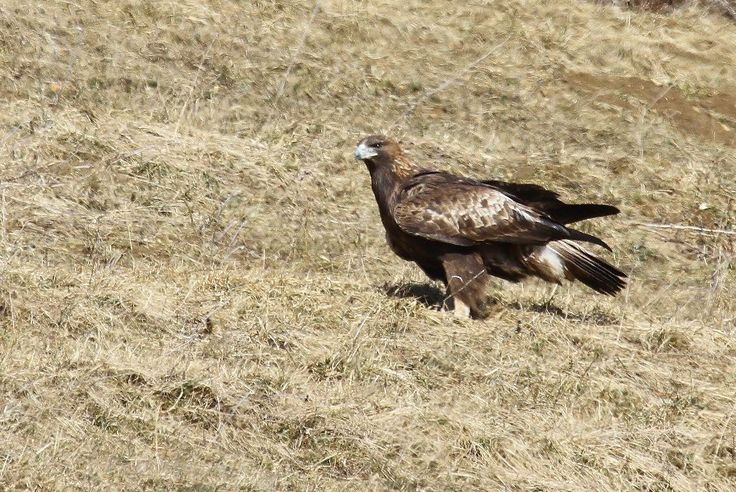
(462,231)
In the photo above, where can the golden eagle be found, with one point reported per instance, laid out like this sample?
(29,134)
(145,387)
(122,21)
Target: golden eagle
(460,230)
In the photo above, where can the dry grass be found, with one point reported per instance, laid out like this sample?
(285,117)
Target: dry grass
(726,8)
(195,289)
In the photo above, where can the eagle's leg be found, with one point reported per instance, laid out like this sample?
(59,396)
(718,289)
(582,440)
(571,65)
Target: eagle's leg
(460,309)
(552,294)
(466,280)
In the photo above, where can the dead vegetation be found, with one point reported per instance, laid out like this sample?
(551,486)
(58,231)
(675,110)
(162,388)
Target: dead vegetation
(195,289)
(726,8)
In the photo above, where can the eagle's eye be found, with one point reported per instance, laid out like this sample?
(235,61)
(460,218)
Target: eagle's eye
(376,145)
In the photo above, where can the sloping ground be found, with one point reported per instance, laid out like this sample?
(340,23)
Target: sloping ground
(195,289)
(726,8)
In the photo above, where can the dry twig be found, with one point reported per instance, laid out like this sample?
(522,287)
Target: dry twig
(680,227)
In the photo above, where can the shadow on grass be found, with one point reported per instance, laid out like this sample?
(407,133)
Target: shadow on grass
(596,316)
(432,297)
(426,294)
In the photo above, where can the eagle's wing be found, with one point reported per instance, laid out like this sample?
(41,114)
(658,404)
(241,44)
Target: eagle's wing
(465,213)
(547,201)
(528,192)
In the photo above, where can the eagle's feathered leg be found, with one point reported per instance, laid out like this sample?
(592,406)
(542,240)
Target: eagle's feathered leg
(460,309)
(467,281)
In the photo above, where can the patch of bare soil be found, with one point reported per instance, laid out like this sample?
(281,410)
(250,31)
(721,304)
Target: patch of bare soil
(726,8)
(710,117)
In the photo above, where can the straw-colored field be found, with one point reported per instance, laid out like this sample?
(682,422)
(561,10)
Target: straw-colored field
(196,293)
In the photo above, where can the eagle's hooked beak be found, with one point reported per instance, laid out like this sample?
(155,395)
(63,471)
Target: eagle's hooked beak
(362,152)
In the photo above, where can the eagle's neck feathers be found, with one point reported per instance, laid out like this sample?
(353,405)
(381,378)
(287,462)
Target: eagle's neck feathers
(386,185)
(403,168)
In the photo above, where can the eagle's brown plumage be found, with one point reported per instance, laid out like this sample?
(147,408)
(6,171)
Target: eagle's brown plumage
(460,231)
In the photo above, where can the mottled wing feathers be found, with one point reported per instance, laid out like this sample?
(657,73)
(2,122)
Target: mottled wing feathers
(462,212)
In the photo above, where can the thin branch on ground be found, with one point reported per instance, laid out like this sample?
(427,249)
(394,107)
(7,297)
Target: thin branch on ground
(681,227)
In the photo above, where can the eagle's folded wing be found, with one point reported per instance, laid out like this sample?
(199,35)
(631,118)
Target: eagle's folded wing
(465,214)
(547,201)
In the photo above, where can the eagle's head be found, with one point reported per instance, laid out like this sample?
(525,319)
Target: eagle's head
(377,149)
(383,155)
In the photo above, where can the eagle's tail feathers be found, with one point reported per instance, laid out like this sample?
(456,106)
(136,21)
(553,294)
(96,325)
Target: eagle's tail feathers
(581,236)
(569,213)
(594,272)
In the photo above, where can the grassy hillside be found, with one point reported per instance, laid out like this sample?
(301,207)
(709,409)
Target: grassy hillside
(196,293)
